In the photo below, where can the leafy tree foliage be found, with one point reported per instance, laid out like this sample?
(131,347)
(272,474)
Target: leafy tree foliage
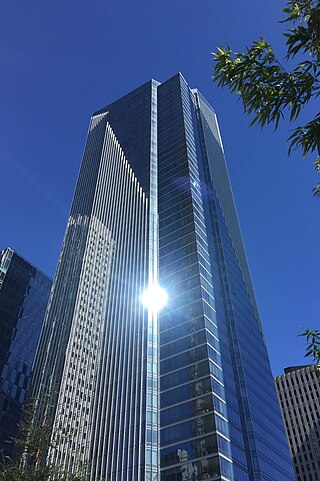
(269,92)
(267,89)
(313,345)
(32,445)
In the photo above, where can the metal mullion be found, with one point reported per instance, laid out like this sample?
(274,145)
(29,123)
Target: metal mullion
(136,319)
(130,353)
(152,321)
(140,321)
(103,394)
(104,198)
(72,337)
(115,193)
(134,272)
(136,290)
(74,334)
(126,261)
(90,256)
(95,219)
(130,312)
(120,306)
(81,194)
(120,191)
(65,369)
(55,308)
(107,159)
(140,342)
(101,200)
(101,368)
(143,328)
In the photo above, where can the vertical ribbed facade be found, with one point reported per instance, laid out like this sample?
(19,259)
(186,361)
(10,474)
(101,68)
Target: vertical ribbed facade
(186,393)
(98,335)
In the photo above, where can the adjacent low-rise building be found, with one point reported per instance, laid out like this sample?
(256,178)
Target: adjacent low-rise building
(299,395)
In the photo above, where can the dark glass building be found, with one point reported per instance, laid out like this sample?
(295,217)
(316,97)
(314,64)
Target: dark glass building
(24,293)
(181,394)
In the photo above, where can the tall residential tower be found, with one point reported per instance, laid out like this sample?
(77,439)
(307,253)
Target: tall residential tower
(186,390)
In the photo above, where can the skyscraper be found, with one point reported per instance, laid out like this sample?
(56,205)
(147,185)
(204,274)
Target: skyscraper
(187,389)
(24,293)
(299,393)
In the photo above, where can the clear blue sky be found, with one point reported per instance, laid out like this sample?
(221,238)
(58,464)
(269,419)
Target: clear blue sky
(61,61)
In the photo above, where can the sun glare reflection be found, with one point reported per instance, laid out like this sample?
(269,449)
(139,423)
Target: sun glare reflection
(154,298)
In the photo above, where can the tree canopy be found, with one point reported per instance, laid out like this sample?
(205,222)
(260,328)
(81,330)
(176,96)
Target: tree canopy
(270,92)
(313,345)
(31,461)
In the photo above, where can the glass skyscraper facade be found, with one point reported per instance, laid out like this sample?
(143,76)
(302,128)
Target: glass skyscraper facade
(24,293)
(185,393)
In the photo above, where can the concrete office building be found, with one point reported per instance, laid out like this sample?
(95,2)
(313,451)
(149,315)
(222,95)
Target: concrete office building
(299,396)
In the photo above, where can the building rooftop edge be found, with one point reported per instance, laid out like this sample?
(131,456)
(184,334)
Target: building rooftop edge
(289,369)
(26,260)
(153,81)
